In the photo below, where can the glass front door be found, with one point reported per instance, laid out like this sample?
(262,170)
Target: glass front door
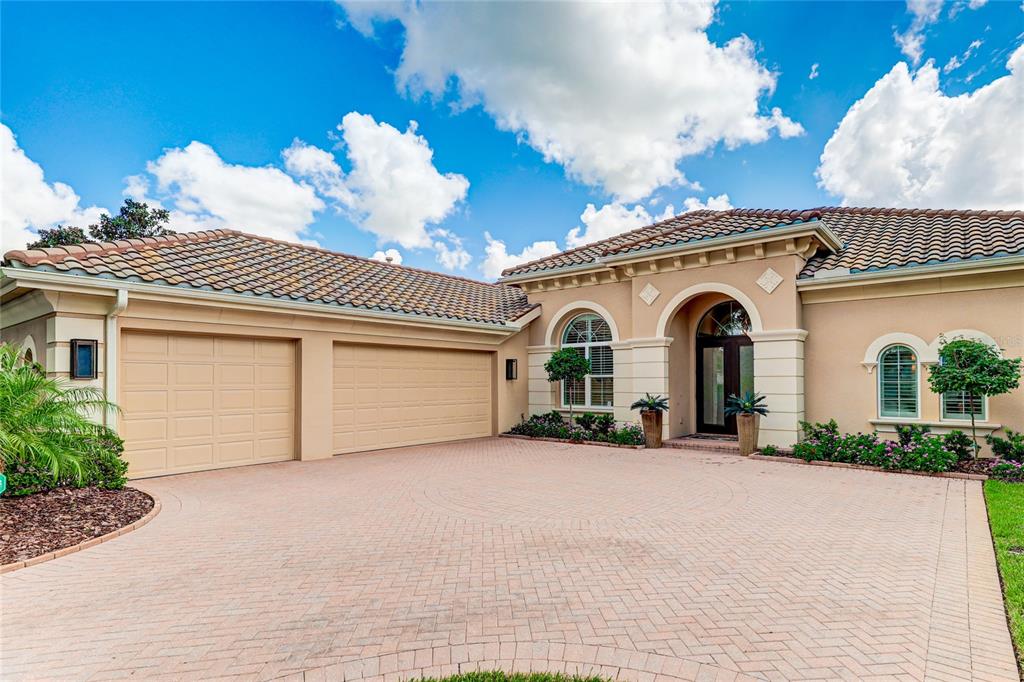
(725,366)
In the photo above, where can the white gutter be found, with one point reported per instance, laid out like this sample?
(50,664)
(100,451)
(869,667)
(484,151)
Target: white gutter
(110,356)
(912,271)
(164,291)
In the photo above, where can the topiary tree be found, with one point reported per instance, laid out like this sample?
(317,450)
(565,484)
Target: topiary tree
(567,364)
(976,369)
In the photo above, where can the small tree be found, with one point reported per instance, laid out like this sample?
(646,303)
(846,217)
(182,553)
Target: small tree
(567,364)
(976,369)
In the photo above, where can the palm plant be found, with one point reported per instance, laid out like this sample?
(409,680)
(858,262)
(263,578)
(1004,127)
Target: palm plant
(44,422)
(651,403)
(748,403)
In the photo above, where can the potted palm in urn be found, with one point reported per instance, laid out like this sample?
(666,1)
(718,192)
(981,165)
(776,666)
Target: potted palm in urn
(651,407)
(747,409)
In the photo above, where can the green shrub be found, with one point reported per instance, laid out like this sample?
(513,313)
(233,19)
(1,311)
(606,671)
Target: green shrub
(770,450)
(960,444)
(1010,448)
(820,441)
(602,429)
(1007,470)
(587,421)
(102,467)
(915,450)
(628,434)
(604,424)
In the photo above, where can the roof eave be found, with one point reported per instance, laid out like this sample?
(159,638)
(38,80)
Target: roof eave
(905,272)
(27,276)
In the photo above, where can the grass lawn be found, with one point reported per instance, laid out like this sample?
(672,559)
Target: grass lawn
(499,676)
(1006,516)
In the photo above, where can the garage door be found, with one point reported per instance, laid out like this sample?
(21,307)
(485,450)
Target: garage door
(203,402)
(387,396)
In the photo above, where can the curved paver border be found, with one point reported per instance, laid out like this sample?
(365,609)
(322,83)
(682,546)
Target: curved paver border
(552,657)
(92,542)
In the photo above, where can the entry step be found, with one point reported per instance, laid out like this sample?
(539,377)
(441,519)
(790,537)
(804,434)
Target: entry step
(709,443)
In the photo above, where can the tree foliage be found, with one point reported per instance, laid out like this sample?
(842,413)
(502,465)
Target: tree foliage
(976,369)
(567,364)
(135,220)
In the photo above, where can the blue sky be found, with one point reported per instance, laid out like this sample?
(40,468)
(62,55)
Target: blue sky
(97,95)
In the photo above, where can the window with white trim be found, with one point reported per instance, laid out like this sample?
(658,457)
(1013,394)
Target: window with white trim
(958,405)
(897,382)
(590,336)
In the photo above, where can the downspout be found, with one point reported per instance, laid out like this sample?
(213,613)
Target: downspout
(110,361)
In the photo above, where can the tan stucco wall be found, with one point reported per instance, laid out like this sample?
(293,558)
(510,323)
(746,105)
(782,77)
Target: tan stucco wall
(839,386)
(28,334)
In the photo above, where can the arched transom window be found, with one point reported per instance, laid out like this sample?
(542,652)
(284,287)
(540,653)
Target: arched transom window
(897,382)
(591,336)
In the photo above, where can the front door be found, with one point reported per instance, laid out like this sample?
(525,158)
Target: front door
(725,366)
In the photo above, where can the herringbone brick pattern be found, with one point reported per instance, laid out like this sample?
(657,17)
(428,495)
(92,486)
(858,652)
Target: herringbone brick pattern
(639,565)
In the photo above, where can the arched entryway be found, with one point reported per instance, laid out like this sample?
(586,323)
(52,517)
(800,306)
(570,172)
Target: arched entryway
(724,363)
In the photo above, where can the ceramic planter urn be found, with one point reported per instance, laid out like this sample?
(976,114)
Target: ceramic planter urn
(747,426)
(652,427)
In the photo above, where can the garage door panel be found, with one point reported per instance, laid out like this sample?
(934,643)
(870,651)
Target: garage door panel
(200,406)
(390,396)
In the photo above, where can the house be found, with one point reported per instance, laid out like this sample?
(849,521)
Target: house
(224,348)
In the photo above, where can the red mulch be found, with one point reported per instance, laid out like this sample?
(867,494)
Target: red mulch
(45,522)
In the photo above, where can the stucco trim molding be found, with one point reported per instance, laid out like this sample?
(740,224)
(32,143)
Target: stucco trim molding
(778,335)
(677,301)
(920,346)
(652,342)
(556,319)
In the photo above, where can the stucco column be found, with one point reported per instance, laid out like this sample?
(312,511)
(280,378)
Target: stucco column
(779,375)
(648,373)
(540,389)
(316,396)
(622,359)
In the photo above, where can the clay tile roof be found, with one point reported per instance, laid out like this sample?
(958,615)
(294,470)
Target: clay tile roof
(873,238)
(225,260)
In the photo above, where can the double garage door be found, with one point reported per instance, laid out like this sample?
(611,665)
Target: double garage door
(192,403)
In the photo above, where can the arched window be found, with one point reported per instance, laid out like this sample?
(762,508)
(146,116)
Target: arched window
(590,335)
(897,382)
(725,319)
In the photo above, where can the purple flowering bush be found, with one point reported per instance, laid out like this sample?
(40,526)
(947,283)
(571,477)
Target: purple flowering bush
(1007,470)
(915,450)
(602,429)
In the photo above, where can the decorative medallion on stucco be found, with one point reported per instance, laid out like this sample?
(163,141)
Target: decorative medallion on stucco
(649,293)
(769,280)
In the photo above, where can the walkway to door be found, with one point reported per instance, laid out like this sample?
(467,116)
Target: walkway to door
(510,553)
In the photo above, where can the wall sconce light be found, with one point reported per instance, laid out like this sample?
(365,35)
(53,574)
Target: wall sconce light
(83,359)
(511,369)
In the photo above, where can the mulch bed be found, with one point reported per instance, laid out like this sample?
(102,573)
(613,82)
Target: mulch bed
(45,522)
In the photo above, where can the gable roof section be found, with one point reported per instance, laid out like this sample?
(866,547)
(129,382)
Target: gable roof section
(872,238)
(235,262)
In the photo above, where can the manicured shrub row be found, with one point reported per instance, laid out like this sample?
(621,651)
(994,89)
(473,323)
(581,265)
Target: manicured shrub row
(914,451)
(594,427)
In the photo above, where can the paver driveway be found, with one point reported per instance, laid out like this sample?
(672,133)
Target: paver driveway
(515,553)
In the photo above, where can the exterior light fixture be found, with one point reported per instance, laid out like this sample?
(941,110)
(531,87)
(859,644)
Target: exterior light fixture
(83,358)
(511,369)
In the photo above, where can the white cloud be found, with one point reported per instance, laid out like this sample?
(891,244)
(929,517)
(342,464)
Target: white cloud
(905,143)
(394,254)
(392,190)
(923,13)
(207,192)
(28,202)
(498,258)
(814,71)
(719,203)
(610,220)
(955,62)
(618,94)
(449,250)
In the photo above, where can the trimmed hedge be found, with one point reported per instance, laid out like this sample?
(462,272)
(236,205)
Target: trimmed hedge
(600,428)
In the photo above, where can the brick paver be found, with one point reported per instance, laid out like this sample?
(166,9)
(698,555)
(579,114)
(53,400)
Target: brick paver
(638,565)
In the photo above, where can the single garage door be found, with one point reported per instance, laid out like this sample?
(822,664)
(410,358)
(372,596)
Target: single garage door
(388,396)
(192,403)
